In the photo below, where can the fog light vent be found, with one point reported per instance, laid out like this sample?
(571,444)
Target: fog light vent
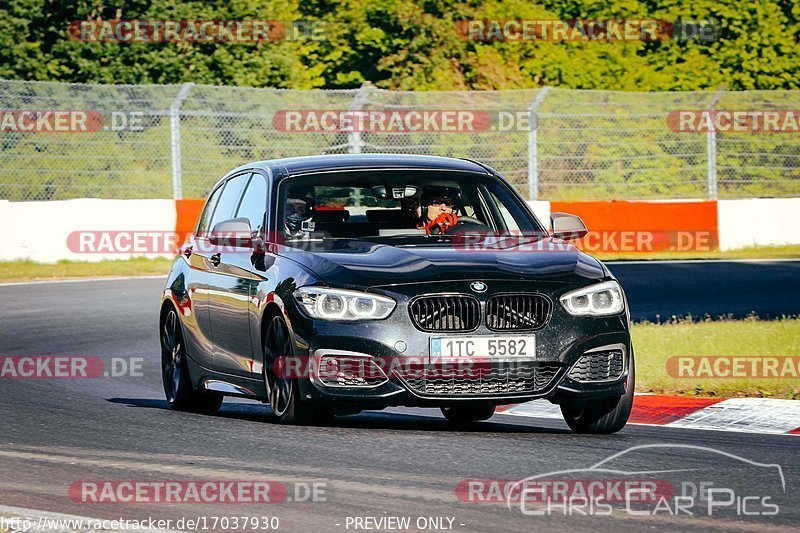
(606,365)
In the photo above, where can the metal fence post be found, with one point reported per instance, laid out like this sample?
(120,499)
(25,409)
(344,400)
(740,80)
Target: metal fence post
(354,143)
(533,148)
(175,139)
(711,145)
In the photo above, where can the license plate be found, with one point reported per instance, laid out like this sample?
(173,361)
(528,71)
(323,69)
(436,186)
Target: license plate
(484,347)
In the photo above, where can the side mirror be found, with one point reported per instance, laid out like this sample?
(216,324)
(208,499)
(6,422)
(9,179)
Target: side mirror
(567,227)
(233,232)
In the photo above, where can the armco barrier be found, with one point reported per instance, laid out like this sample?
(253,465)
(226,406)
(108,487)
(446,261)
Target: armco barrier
(40,230)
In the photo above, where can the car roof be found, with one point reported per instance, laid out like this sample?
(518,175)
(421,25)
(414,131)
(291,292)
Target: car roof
(293,166)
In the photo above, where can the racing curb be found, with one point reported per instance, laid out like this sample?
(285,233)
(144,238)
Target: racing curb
(744,415)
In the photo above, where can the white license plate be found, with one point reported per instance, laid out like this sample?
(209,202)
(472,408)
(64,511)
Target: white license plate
(487,347)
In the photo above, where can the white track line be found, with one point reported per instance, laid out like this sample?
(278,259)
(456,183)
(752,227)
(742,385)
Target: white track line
(78,280)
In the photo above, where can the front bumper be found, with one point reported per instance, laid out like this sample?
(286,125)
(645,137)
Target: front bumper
(396,343)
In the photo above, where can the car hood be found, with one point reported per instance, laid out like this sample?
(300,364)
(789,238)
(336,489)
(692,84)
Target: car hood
(358,263)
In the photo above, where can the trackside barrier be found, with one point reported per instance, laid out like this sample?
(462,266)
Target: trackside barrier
(40,230)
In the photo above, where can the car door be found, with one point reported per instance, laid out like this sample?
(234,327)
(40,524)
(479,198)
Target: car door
(237,356)
(230,287)
(196,319)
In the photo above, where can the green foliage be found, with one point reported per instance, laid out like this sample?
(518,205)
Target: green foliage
(410,45)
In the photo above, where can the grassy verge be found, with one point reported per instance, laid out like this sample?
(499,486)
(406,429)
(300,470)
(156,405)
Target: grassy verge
(656,343)
(30,270)
(758,252)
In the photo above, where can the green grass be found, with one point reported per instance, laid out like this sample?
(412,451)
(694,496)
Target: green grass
(656,343)
(25,270)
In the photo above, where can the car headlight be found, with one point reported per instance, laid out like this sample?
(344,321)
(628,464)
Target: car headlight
(595,300)
(341,304)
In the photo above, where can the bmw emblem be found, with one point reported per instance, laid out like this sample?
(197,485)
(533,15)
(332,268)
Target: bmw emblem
(478,286)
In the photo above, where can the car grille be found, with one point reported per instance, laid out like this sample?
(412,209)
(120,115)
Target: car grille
(484,379)
(598,366)
(508,312)
(445,313)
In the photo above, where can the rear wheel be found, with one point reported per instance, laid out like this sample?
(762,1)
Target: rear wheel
(282,389)
(464,414)
(605,416)
(175,371)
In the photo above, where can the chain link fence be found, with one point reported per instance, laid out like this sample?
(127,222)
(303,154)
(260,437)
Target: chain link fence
(177,141)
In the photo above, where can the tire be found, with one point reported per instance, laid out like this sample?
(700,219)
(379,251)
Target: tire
(175,377)
(605,416)
(283,391)
(464,414)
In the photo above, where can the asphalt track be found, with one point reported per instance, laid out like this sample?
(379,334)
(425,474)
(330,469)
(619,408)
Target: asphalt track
(399,462)
(659,290)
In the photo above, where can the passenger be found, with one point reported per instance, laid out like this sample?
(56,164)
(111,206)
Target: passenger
(299,208)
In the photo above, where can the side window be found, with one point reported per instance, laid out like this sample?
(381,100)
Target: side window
(254,203)
(208,210)
(229,200)
(512,222)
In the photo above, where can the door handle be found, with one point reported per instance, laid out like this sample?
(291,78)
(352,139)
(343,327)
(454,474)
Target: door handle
(215,259)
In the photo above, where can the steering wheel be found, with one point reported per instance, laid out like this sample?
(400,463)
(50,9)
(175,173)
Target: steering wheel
(471,222)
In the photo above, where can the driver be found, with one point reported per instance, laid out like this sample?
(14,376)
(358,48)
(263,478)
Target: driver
(299,207)
(438,209)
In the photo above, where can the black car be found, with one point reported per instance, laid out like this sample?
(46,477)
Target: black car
(333,284)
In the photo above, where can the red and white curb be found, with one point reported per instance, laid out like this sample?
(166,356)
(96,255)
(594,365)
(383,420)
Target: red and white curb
(746,415)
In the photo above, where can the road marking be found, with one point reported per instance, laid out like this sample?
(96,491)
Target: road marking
(347,491)
(78,280)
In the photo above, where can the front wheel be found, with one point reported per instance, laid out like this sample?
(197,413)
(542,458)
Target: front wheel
(175,372)
(464,414)
(605,416)
(282,389)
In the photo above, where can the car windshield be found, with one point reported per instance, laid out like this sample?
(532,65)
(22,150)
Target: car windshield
(401,208)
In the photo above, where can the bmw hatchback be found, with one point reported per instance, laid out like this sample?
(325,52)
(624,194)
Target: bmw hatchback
(334,284)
